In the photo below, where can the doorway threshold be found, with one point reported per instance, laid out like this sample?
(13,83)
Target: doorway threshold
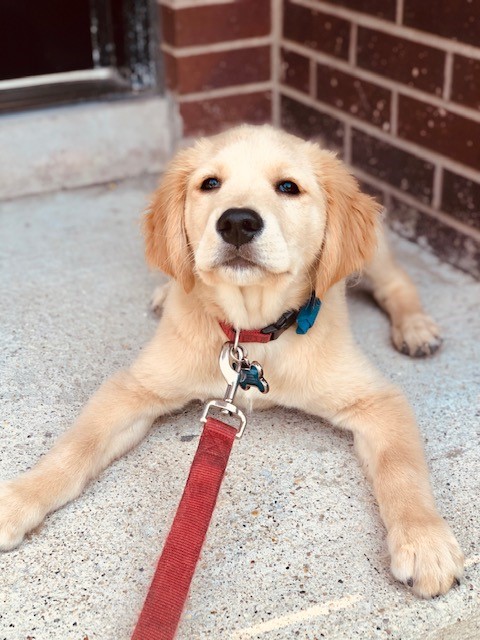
(90,143)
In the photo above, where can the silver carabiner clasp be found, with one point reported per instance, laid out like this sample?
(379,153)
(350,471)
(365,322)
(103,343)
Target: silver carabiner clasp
(230,360)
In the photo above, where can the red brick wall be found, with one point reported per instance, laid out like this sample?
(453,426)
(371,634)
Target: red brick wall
(394,86)
(218,61)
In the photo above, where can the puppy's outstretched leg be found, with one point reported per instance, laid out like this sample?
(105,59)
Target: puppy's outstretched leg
(115,419)
(413,331)
(424,552)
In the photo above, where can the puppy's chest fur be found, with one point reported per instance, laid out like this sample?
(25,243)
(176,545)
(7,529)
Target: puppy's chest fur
(190,339)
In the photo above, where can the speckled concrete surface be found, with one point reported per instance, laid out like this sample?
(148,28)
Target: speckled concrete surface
(296,548)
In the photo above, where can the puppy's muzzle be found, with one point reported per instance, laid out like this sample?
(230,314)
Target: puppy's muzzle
(239,226)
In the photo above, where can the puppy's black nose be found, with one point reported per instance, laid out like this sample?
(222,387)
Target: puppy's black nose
(239,226)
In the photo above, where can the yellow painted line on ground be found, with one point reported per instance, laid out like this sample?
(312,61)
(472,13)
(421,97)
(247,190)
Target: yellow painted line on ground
(296,617)
(312,612)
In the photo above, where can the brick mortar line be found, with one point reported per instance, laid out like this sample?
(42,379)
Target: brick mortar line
(312,78)
(347,143)
(394,114)
(381,81)
(405,145)
(437,187)
(352,46)
(400,31)
(218,47)
(447,76)
(276,14)
(224,92)
(415,204)
(399,12)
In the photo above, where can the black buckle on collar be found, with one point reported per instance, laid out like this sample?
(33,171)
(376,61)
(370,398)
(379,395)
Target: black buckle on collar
(288,318)
(282,324)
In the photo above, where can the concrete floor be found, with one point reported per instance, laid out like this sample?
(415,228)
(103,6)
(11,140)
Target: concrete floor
(296,548)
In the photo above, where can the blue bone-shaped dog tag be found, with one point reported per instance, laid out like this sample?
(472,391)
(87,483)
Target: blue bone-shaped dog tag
(252,376)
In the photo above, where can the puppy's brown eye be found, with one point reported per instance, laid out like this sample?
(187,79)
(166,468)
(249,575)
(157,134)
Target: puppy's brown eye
(210,183)
(288,187)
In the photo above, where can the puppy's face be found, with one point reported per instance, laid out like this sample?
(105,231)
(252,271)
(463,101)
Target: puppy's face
(255,205)
(254,210)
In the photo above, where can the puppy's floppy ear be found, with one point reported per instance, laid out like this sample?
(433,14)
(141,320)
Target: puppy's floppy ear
(167,246)
(352,218)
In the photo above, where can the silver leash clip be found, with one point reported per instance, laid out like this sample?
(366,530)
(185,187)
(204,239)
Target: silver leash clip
(230,365)
(230,361)
(237,370)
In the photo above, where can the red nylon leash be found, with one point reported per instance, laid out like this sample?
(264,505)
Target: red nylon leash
(169,588)
(168,591)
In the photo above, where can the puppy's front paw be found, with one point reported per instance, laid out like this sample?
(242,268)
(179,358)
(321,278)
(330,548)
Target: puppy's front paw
(416,335)
(426,557)
(19,514)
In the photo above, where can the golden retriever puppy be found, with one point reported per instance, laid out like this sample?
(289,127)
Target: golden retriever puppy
(249,223)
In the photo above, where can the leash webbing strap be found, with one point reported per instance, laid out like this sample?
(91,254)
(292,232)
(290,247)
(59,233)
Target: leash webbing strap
(168,591)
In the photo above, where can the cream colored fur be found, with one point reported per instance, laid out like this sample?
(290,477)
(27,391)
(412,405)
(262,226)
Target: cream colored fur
(312,240)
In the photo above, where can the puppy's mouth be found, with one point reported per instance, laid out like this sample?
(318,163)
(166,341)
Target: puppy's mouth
(239,263)
(242,267)
(238,259)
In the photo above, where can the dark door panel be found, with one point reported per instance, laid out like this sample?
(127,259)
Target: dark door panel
(55,51)
(47,36)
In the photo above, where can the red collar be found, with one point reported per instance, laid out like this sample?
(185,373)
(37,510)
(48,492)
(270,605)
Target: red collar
(246,335)
(271,332)
(304,317)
